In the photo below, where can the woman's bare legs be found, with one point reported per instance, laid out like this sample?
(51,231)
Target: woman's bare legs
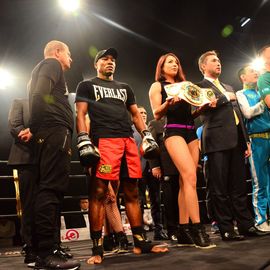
(185,158)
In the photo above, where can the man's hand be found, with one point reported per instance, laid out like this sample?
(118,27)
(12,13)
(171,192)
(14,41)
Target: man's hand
(248,151)
(231,96)
(267,100)
(25,135)
(156,172)
(213,103)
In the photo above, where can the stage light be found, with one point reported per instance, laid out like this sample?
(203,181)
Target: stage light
(92,51)
(244,21)
(6,79)
(227,31)
(69,5)
(257,64)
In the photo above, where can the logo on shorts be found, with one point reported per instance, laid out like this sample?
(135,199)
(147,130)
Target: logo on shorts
(105,168)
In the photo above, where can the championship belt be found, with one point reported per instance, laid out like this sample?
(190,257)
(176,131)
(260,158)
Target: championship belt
(190,92)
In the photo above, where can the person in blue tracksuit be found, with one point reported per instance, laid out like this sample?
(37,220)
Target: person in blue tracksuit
(258,125)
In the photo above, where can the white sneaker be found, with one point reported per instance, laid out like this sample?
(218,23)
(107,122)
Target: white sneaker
(264,227)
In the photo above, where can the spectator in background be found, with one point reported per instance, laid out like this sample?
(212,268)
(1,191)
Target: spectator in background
(209,208)
(152,184)
(114,238)
(84,205)
(21,157)
(164,171)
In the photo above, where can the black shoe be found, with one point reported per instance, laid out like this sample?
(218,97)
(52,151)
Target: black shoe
(63,252)
(214,228)
(232,236)
(200,237)
(108,242)
(161,235)
(253,231)
(121,242)
(56,261)
(23,251)
(184,237)
(30,257)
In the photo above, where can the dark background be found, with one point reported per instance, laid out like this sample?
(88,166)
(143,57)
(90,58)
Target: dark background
(141,30)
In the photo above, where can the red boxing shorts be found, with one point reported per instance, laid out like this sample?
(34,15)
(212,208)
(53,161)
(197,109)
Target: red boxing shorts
(111,153)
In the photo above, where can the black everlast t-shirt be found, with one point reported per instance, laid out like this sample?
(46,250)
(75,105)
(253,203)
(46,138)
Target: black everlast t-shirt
(49,106)
(107,107)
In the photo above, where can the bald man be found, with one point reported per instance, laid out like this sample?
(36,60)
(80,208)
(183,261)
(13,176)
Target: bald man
(51,123)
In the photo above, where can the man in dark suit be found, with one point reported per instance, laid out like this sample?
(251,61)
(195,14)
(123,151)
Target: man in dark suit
(21,158)
(164,170)
(226,144)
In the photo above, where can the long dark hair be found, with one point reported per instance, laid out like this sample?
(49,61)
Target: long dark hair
(179,77)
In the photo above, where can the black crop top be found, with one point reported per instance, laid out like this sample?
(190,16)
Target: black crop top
(179,113)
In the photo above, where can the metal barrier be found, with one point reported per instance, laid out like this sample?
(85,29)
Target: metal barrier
(13,193)
(3,176)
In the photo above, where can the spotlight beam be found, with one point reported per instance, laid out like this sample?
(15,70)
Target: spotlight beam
(123,28)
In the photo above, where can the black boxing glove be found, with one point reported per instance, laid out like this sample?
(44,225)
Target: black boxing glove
(149,147)
(88,153)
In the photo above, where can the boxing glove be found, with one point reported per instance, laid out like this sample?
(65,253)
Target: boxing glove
(149,147)
(88,153)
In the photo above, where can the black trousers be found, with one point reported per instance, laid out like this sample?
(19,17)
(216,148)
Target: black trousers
(28,176)
(53,155)
(170,188)
(209,206)
(227,187)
